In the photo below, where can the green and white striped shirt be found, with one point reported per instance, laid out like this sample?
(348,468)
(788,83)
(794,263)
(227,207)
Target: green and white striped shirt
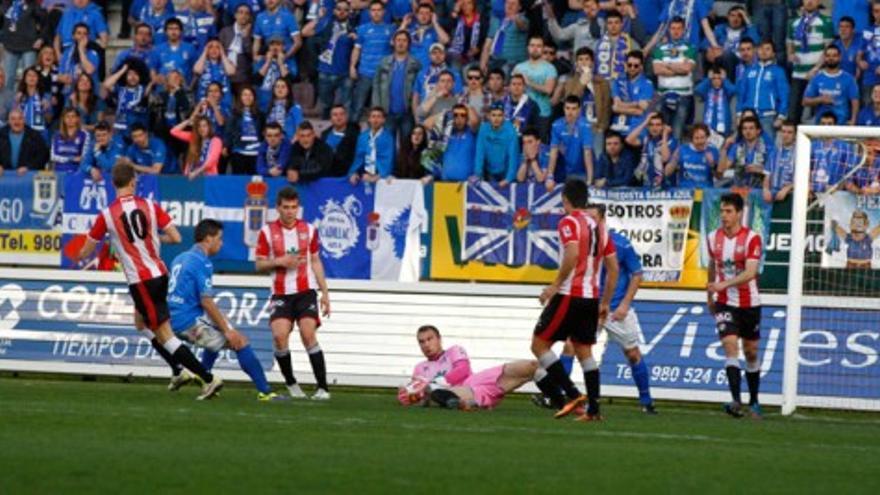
(809,41)
(673,52)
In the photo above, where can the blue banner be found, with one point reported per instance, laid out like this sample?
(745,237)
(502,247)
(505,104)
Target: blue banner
(83,200)
(184,201)
(30,218)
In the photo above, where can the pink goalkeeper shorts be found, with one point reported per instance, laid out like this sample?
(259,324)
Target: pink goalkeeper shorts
(484,385)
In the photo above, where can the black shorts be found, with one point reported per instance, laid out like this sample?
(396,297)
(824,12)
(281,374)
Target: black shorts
(295,307)
(569,317)
(745,323)
(150,300)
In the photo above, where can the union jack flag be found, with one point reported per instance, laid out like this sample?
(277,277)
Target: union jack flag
(513,225)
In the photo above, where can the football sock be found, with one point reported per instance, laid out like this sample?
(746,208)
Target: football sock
(567,363)
(591,380)
(551,391)
(249,363)
(286,366)
(753,378)
(175,367)
(734,379)
(641,377)
(184,356)
(209,357)
(316,357)
(557,374)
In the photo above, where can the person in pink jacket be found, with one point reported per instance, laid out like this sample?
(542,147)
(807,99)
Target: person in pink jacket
(203,154)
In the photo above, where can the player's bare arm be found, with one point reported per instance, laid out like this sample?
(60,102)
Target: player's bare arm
(569,261)
(170,235)
(612,271)
(710,300)
(236,340)
(318,269)
(87,249)
(747,275)
(631,289)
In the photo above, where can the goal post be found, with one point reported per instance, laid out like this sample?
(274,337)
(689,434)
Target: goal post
(833,307)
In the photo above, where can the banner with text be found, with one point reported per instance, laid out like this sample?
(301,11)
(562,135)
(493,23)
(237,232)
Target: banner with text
(852,227)
(30,218)
(656,222)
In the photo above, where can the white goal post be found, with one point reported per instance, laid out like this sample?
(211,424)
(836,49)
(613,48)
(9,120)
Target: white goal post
(814,297)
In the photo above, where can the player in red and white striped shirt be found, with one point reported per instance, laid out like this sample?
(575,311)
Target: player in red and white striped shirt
(289,248)
(572,308)
(735,253)
(134,224)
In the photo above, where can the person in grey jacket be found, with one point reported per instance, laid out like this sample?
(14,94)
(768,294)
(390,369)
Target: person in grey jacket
(21,35)
(393,86)
(585,32)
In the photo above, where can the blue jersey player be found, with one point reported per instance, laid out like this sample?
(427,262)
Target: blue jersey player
(196,318)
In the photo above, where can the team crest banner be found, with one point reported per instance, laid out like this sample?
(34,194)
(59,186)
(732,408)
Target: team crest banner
(30,218)
(852,229)
(655,222)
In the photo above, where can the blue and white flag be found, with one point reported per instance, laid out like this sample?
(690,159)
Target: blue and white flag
(367,231)
(513,225)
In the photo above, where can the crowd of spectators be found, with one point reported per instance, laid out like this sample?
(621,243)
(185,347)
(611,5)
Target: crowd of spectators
(621,93)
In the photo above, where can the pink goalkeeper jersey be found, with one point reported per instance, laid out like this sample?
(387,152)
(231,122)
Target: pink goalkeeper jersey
(455,358)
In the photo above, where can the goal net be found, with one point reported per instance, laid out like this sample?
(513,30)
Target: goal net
(833,303)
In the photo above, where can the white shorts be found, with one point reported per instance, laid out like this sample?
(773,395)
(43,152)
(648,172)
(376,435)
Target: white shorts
(204,334)
(626,333)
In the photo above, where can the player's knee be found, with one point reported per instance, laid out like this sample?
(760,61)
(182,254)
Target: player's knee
(633,355)
(279,341)
(539,346)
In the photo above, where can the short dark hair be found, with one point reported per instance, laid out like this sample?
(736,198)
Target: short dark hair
(767,41)
(789,123)
(613,135)
(378,109)
(103,126)
(828,115)
(81,25)
(305,125)
(208,227)
(518,76)
(585,50)
(428,328)
(404,34)
(575,191)
(613,13)
(374,2)
(137,126)
(734,200)
(699,126)
(846,18)
(599,207)
(446,72)
(532,131)
(175,21)
(573,99)
(498,72)
(716,69)
(287,193)
(752,119)
(122,174)
(636,54)
(275,126)
(747,40)
(143,25)
(677,20)
(536,37)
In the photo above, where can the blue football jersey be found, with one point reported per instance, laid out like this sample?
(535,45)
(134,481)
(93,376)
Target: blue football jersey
(189,280)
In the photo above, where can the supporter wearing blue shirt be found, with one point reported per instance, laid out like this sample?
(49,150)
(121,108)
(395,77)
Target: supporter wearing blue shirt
(830,159)
(70,144)
(849,45)
(497,155)
(779,180)
(658,146)
(424,30)
(141,50)
(130,97)
(372,43)
(274,152)
(146,153)
(631,96)
(336,41)
(694,13)
(616,167)
(176,54)
(535,158)
(80,12)
(155,14)
(103,153)
(870,115)
(374,155)
(214,67)
(694,163)
(571,140)
(748,156)
(194,314)
(278,21)
(427,78)
(728,35)
(198,25)
(519,108)
(230,6)
(79,58)
(856,10)
(833,90)
(764,88)
(458,156)
(868,57)
(717,92)
(398,9)
(283,110)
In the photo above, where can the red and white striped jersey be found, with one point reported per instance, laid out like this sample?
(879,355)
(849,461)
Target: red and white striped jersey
(729,255)
(301,239)
(593,246)
(134,224)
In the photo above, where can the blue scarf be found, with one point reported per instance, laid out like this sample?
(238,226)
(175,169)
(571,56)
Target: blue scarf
(457,46)
(203,154)
(13,13)
(128,100)
(714,113)
(277,113)
(614,64)
(32,107)
(272,75)
(213,73)
(802,32)
(498,41)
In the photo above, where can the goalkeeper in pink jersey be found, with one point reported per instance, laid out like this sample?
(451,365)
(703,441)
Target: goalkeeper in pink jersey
(445,378)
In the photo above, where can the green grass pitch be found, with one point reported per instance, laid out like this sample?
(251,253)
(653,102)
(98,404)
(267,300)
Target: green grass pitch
(62,436)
